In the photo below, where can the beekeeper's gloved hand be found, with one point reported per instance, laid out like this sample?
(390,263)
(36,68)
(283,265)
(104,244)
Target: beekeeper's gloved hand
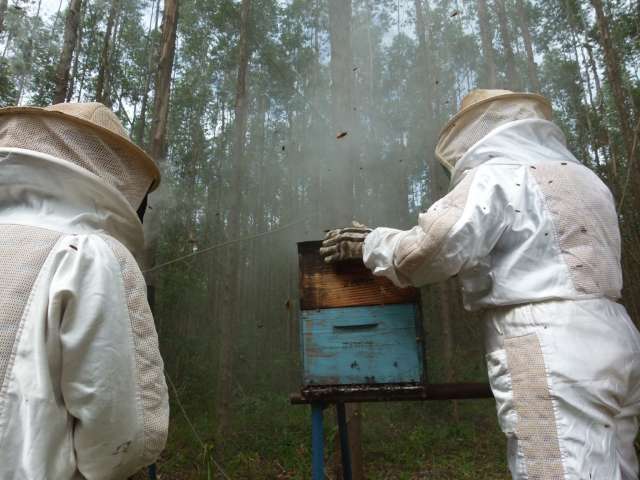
(344,243)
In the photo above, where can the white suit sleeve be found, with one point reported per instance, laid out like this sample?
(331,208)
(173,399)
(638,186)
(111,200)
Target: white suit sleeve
(112,374)
(458,230)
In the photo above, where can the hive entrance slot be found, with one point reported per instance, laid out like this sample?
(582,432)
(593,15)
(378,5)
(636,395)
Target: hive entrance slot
(364,326)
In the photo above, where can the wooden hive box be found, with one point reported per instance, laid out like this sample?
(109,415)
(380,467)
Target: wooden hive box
(356,328)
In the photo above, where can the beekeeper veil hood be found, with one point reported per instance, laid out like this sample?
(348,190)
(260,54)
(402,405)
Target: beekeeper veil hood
(481,112)
(89,135)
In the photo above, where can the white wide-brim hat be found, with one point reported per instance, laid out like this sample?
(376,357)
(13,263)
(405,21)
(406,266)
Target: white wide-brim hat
(99,120)
(482,111)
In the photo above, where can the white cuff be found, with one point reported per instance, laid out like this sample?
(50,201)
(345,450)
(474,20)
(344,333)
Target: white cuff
(378,253)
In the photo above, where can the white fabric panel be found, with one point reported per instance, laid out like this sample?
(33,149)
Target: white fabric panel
(40,189)
(379,248)
(504,246)
(535,427)
(149,368)
(32,398)
(73,405)
(24,251)
(422,246)
(586,225)
(98,370)
(591,353)
(521,142)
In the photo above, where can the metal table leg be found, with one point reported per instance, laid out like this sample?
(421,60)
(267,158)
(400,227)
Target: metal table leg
(345,450)
(317,441)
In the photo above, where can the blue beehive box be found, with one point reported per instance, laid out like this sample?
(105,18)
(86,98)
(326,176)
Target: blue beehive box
(356,328)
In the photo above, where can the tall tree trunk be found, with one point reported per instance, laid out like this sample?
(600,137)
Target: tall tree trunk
(423,63)
(582,97)
(57,17)
(70,39)
(215,220)
(448,293)
(532,69)
(341,205)
(512,80)
(615,79)
(602,137)
(163,80)
(341,199)
(421,31)
(83,75)
(103,70)
(258,148)
(159,128)
(112,60)
(233,264)
(370,111)
(141,126)
(370,68)
(91,19)
(3,11)
(317,99)
(76,59)
(25,78)
(486,38)
(6,45)
(594,72)
(599,101)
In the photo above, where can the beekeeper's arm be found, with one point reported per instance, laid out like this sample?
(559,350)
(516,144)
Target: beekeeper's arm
(112,383)
(457,231)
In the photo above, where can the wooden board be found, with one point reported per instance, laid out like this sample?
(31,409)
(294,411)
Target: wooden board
(391,393)
(362,345)
(344,284)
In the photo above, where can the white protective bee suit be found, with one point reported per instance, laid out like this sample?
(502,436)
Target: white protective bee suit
(82,390)
(533,236)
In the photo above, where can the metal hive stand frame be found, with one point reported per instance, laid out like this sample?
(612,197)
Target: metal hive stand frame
(321,397)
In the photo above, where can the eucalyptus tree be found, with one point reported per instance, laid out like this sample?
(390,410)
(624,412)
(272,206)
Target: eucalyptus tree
(524,25)
(490,77)
(71,28)
(102,82)
(3,12)
(615,76)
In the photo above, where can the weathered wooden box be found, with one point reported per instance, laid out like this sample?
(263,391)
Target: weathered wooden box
(356,328)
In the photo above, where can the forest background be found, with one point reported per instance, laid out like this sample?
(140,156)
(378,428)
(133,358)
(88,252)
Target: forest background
(241,103)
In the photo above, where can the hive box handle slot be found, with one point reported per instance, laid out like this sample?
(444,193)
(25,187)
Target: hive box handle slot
(363,326)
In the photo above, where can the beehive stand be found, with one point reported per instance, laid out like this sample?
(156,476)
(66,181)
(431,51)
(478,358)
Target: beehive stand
(362,341)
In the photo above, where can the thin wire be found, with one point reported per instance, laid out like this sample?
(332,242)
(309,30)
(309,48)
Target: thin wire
(224,244)
(193,429)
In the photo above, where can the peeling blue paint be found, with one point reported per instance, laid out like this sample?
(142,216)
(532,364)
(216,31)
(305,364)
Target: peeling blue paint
(357,345)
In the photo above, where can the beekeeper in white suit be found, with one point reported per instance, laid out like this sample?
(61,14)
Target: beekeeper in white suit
(82,391)
(533,236)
